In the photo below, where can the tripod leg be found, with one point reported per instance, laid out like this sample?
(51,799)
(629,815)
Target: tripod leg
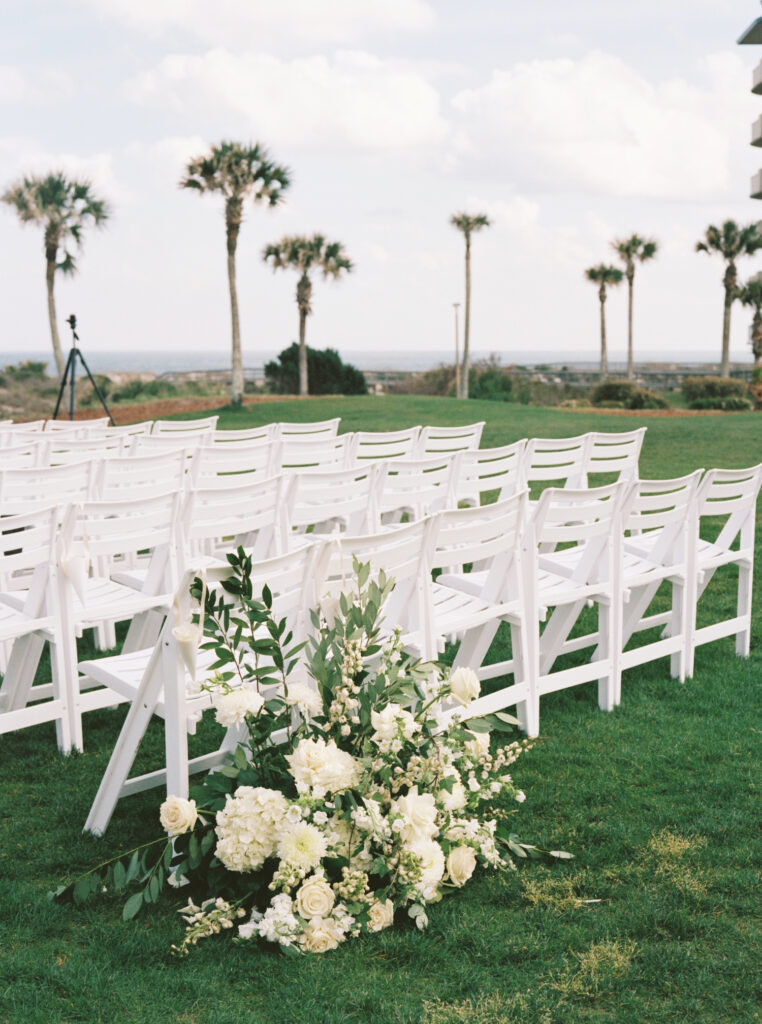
(64,378)
(97,390)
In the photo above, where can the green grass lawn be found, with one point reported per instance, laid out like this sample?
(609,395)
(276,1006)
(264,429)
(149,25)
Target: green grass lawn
(657,919)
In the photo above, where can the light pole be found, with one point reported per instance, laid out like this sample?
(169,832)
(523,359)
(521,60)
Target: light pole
(456,306)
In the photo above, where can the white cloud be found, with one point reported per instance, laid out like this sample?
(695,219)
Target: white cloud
(25,156)
(597,124)
(353,99)
(33,87)
(264,23)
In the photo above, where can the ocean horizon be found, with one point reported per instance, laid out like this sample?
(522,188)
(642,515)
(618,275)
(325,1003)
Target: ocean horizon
(168,361)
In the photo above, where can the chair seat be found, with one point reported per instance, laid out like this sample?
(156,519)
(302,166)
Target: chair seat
(13,621)
(637,570)
(104,599)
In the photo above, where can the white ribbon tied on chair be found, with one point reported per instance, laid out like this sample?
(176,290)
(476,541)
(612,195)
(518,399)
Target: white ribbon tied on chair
(187,634)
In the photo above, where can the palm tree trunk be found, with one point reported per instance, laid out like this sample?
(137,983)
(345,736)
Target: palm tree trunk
(303,380)
(725,364)
(756,338)
(630,364)
(233,226)
(466,324)
(604,349)
(50,274)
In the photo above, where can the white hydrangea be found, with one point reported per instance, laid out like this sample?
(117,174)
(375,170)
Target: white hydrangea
(248,827)
(319,768)
(232,708)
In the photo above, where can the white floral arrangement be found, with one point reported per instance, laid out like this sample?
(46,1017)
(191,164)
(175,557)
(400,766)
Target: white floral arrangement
(363,793)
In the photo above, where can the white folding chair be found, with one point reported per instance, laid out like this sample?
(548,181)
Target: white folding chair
(27,550)
(205,425)
(78,428)
(130,429)
(24,489)
(253,514)
(9,430)
(402,554)
(24,455)
(558,460)
(614,454)
(152,444)
(157,681)
(471,605)
(316,430)
(417,487)
(332,501)
(438,440)
(141,476)
(234,462)
(380,445)
(267,432)
(728,497)
(111,536)
(292,454)
(589,524)
(489,471)
(60,450)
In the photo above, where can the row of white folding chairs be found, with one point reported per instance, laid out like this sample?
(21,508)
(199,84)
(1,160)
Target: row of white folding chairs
(200,430)
(620,542)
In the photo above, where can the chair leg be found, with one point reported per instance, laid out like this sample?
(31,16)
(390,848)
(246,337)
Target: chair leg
(20,672)
(608,652)
(679,619)
(743,638)
(525,671)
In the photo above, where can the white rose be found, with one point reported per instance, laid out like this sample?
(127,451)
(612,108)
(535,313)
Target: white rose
(479,745)
(305,698)
(315,898)
(455,800)
(432,864)
(464,685)
(320,935)
(321,767)
(521,796)
(419,813)
(232,708)
(380,915)
(177,815)
(460,864)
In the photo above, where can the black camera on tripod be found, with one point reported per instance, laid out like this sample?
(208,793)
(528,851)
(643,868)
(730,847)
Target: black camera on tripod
(70,375)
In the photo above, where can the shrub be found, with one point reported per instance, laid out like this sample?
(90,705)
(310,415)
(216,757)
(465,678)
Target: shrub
(494,383)
(438,381)
(326,373)
(623,394)
(716,393)
(134,389)
(31,369)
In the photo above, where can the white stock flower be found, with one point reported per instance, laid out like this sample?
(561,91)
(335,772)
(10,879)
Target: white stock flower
(248,826)
(177,815)
(319,767)
(315,898)
(305,699)
(232,708)
(380,915)
(461,862)
(302,845)
(320,935)
(464,685)
(419,812)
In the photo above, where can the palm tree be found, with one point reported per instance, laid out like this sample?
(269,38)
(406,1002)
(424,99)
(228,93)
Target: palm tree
(237,172)
(468,224)
(606,277)
(63,207)
(731,242)
(305,255)
(750,294)
(629,250)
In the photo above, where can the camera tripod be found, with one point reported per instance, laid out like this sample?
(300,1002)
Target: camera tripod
(70,375)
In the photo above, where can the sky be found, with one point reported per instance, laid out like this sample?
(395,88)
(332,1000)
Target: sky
(568,124)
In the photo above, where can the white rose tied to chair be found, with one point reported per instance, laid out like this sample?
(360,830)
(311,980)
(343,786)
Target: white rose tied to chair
(352,801)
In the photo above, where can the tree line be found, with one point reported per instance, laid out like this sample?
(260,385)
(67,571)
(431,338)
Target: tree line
(65,207)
